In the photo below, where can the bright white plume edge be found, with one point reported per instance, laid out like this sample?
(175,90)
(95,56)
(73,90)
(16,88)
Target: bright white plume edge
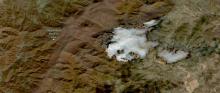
(172,57)
(129,44)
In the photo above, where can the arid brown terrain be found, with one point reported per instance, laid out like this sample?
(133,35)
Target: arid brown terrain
(58,46)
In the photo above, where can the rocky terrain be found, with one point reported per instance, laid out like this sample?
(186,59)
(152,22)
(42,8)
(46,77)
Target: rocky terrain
(58,46)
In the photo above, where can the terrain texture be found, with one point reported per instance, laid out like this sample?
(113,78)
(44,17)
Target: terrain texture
(58,46)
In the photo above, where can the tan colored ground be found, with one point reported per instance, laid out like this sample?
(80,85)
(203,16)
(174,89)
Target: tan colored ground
(76,62)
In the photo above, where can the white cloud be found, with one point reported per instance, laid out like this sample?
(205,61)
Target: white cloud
(129,44)
(151,23)
(172,57)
